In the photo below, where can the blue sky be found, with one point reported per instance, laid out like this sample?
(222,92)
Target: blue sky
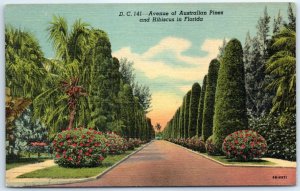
(168,57)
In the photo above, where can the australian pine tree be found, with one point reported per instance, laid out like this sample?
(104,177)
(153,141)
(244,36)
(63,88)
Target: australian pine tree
(209,99)
(230,98)
(200,108)
(193,110)
(186,113)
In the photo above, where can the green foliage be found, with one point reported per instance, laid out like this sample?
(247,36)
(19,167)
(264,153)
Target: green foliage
(28,130)
(200,108)
(193,109)
(230,99)
(281,140)
(24,59)
(126,100)
(282,65)
(209,100)
(80,148)
(244,145)
(186,113)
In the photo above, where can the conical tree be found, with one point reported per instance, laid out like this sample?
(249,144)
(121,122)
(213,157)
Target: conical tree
(193,112)
(200,108)
(209,100)
(230,101)
(186,113)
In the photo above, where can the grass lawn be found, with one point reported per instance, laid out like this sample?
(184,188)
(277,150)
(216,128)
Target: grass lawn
(12,163)
(223,159)
(60,172)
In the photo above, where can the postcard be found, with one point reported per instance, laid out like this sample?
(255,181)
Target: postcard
(150,95)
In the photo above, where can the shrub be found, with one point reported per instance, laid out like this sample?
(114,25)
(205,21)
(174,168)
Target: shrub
(211,148)
(281,140)
(80,148)
(230,98)
(133,143)
(244,145)
(195,144)
(115,143)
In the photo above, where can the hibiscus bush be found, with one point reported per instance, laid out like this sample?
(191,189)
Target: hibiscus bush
(196,144)
(133,143)
(115,143)
(211,148)
(80,148)
(244,145)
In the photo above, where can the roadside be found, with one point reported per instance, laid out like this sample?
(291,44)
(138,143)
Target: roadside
(273,162)
(13,181)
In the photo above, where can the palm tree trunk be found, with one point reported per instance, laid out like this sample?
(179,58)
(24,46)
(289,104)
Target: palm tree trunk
(71,118)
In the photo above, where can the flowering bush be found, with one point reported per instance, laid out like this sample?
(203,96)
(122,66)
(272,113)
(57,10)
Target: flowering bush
(133,143)
(244,145)
(211,149)
(196,144)
(115,143)
(80,148)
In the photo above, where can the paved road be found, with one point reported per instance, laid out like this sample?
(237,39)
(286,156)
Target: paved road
(164,164)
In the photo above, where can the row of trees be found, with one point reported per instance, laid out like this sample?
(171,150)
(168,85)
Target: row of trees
(244,86)
(82,86)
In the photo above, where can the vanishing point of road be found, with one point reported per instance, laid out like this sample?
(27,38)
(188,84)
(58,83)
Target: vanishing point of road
(162,163)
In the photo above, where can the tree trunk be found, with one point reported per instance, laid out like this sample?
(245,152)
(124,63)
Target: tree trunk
(72,117)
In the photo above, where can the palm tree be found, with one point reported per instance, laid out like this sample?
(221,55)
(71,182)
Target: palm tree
(282,65)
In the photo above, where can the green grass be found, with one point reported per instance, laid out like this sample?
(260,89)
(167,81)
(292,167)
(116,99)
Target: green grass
(16,162)
(61,172)
(223,159)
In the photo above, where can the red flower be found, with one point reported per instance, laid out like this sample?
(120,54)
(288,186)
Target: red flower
(57,156)
(59,136)
(90,150)
(70,159)
(101,158)
(61,143)
(68,136)
(81,144)
(82,136)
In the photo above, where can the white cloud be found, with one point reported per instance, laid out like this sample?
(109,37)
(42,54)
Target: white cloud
(196,67)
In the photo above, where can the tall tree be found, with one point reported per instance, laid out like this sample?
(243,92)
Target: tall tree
(193,110)
(200,108)
(209,100)
(187,113)
(230,99)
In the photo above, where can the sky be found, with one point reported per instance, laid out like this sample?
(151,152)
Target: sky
(168,56)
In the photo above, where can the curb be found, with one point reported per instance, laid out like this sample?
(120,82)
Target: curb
(45,181)
(230,165)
